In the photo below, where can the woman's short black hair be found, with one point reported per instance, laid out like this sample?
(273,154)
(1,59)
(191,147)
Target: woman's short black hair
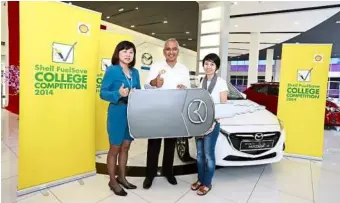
(214,58)
(124,45)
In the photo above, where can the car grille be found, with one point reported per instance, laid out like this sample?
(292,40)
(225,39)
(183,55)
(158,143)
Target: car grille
(238,158)
(235,140)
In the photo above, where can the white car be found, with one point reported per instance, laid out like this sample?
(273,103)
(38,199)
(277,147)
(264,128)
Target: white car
(252,138)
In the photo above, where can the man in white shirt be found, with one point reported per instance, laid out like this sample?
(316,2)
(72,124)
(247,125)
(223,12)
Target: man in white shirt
(167,74)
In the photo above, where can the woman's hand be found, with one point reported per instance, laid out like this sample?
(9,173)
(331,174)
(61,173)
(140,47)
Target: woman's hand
(124,92)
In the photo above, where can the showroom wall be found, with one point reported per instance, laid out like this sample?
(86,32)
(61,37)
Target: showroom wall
(153,46)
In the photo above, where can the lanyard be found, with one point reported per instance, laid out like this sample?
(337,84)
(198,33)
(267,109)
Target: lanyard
(128,81)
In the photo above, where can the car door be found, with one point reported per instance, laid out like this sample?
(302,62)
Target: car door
(272,98)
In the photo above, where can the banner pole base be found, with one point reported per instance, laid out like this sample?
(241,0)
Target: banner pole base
(55,183)
(303,157)
(102,152)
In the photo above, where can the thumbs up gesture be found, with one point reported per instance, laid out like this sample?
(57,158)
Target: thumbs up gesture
(158,81)
(124,92)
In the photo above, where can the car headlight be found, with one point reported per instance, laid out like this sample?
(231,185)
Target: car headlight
(281,124)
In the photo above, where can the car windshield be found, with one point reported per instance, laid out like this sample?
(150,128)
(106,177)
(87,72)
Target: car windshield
(233,93)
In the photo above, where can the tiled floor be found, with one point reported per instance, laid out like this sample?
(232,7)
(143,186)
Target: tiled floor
(290,181)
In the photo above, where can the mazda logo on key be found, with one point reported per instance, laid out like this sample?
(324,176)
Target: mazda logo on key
(258,136)
(197,111)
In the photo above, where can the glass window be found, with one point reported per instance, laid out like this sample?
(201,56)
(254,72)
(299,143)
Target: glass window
(335,60)
(233,63)
(260,88)
(273,90)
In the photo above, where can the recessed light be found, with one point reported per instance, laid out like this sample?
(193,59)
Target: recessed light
(70,3)
(184,44)
(153,33)
(235,3)
(165,21)
(187,32)
(190,39)
(107,17)
(235,25)
(121,9)
(136,8)
(338,22)
(297,43)
(132,26)
(296,23)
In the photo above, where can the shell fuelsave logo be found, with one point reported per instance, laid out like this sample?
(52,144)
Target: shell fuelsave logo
(318,58)
(83,28)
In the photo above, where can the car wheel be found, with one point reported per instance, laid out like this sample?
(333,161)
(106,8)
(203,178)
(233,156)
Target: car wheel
(182,148)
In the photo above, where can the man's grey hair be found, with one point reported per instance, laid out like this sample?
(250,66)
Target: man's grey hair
(173,40)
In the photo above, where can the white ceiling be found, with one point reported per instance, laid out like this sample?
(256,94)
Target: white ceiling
(300,21)
(244,7)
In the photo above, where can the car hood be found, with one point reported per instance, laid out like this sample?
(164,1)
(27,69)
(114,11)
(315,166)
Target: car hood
(254,114)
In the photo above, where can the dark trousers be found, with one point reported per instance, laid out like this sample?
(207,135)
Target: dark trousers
(154,146)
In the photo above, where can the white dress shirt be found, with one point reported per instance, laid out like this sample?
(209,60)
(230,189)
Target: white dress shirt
(221,86)
(173,76)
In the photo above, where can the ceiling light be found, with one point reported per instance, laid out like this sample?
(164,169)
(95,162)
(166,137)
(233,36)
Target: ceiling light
(235,25)
(190,39)
(338,22)
(187,32)
(153,33)
(296,23)
(121,9)
(235,3)
(132,26)
(165,21)
(184,44)
(70,3)
(297,43)
(136,8)
(107,17)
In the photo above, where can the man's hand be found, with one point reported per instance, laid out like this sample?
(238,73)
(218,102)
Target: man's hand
(124,92)
(181,86)
(158,81)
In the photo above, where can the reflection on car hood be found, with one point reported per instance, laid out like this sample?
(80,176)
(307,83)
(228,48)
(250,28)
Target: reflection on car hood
(255,114)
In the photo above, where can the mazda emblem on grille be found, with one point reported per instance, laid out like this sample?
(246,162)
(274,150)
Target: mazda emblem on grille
(199,114)
(258,136)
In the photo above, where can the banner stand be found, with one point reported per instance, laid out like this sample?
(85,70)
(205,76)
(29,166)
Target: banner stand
(102,152)
(55,183)
(311,158)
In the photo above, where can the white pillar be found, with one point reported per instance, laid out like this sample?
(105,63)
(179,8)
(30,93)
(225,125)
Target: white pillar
(213,34)
(277,70)
(228,71)
(253,58)
(224,40)
(269,65)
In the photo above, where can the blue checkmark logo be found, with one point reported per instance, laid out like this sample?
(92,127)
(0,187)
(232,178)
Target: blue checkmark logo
(304,75)
(63,53)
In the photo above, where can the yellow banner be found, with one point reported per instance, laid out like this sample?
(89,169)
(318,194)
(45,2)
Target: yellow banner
(108,42)
(302,97)
(58,59)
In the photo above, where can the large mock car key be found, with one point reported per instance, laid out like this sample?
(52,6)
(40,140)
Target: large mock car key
(159,113)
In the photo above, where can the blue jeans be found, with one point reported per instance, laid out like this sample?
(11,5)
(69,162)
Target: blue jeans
(206,156)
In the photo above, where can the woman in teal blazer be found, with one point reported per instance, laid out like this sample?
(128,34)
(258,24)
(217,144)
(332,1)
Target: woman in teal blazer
(119,79)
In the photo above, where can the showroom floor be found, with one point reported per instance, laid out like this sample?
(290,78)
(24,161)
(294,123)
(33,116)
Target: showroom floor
(290,181)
